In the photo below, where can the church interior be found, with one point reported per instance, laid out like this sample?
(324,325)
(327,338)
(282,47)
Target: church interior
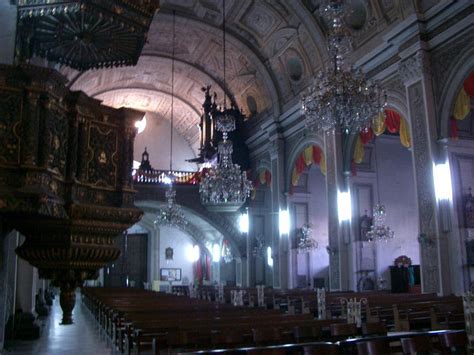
(245,176)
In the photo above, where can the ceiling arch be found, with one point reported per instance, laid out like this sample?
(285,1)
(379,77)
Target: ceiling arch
(266,40)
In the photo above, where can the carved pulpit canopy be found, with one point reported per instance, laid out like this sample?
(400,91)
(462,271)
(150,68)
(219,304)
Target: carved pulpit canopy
(65,176)
(84,34)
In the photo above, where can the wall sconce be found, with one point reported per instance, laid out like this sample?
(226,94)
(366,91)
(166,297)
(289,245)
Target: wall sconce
(344,206)
(244,222)
(444,193)
(269,257)
(140,125)
(426,240)
(216,253)
(331,251)
(442,181)
(284,222)
(193,253)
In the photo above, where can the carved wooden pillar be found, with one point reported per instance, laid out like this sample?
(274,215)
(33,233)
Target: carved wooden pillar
(415,73)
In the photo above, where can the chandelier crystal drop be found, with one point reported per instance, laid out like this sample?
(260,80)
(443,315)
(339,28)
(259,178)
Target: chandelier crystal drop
(340,95)
(379,231)
(305,242)
(171,215)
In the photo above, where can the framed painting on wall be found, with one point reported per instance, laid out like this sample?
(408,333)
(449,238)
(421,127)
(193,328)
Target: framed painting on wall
(170,274)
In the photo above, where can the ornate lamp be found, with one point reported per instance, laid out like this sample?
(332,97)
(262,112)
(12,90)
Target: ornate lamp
(224,188)
(379,231)
(340,95)
(172,214)
(84,34)
(305,242)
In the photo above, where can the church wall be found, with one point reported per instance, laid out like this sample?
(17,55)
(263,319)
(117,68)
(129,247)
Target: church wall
(180,242)
(156,137)
(7,32)
(309,205)
(397,193)
(462,170)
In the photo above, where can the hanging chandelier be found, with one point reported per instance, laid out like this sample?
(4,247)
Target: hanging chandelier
(379,231)
(305,242)
(171,215)
(224,188)
(226,252)
(340,96)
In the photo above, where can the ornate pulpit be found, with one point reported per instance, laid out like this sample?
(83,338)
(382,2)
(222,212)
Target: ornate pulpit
(65,176)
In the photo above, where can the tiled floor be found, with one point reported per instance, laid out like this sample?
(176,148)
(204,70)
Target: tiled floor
(81,338)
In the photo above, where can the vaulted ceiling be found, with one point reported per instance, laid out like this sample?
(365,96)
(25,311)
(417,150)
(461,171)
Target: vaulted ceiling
(273,49)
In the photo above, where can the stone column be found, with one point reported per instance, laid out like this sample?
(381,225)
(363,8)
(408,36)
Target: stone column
(250,282)
(280,254)
(415,74)
(339,234)
(7,32)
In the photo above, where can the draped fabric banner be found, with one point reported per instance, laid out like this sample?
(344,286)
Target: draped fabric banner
(378,126)
(312,154)
(358,151)
(462,105)
(389,120)
(392,121)
(264,177)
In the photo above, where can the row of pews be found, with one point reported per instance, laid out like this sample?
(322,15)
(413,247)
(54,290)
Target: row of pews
(140,321)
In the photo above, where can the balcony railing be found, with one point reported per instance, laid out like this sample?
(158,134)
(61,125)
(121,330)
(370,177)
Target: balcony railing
(158,177)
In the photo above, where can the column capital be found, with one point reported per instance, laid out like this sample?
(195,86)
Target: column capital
(413,68)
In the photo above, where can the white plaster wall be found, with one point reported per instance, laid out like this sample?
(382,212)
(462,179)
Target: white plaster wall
(156,137)
(318,217)
(180,242)
(397,192)
(7,31)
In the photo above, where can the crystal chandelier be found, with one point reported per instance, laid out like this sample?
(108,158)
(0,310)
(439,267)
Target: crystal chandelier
(171,215)
(259,245)
(224,188)
(226,252)
(340,96)
(305,242)
(379,231)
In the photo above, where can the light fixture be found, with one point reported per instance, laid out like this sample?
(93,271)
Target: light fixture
(442,181)
(172,214)
(269,257)
(284,222)
(140,125)
(340,96)
(226,252)
(244,222)
(216,253)
(193,253)
(379,231)
(344,207)
(305,241)
(224,188)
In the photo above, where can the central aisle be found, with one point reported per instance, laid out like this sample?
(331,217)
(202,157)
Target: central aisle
(84,337)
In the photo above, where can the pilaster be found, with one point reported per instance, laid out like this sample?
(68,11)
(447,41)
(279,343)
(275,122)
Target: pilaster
(415,73)
(279,247)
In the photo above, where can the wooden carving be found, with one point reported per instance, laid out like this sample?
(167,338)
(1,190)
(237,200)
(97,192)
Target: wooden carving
(65,176)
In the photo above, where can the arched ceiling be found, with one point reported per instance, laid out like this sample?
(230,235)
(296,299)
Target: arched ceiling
(273,49)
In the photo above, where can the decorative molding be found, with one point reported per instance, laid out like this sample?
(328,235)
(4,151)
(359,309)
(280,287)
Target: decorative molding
(424,187)
(414,68)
